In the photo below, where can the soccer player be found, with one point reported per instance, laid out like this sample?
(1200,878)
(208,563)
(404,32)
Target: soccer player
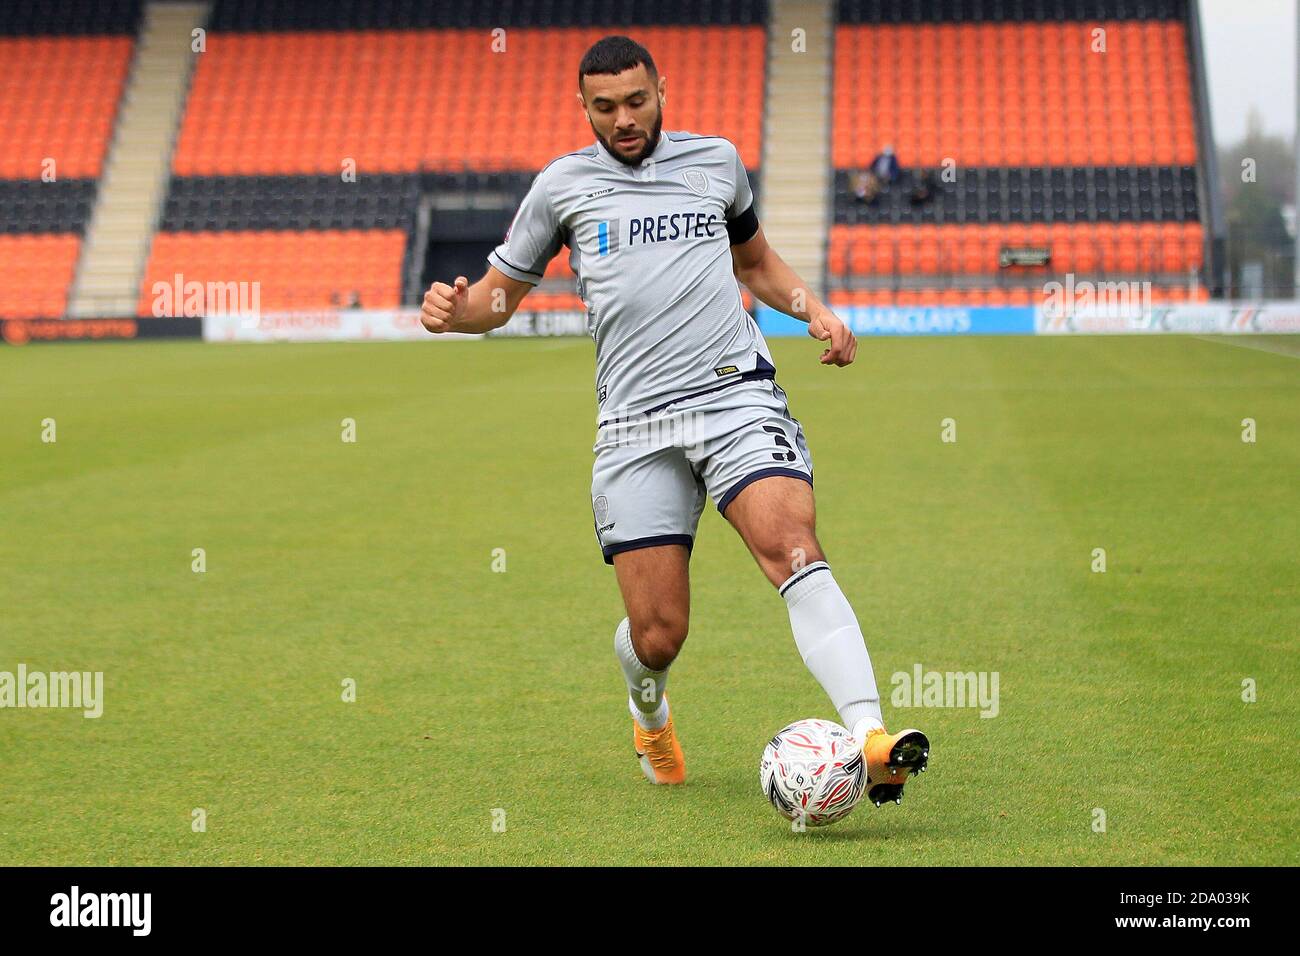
(660,226)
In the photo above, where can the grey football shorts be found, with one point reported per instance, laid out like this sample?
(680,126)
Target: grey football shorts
(652,472)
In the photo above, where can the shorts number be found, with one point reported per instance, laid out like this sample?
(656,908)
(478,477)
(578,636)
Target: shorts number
(780,440)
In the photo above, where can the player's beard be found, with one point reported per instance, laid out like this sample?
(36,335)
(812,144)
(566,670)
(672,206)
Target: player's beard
(651,142)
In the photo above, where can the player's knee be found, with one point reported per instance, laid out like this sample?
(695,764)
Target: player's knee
(790,553)
(659,639)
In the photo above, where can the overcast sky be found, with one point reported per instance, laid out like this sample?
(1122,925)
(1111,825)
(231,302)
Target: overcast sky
(1250,48)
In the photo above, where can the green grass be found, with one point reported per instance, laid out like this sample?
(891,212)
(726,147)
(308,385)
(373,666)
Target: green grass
(481,690)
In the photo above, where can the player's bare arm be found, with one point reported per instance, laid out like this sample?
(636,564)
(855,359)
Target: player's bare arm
(481,307)
(764,273)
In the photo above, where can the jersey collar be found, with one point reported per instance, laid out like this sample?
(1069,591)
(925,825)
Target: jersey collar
(661,151)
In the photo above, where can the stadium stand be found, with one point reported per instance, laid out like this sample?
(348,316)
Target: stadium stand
(292,269)
(1042,155)
(1065,129)
(62,65)
(442,131)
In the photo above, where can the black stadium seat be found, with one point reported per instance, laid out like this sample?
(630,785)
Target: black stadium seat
(68,17)
(263,15)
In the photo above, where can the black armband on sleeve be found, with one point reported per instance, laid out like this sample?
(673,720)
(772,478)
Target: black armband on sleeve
(743,227)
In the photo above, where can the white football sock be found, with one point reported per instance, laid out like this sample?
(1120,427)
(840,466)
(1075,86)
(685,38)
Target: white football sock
(831,644)
(645,688)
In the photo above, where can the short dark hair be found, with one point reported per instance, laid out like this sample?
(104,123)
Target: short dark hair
(614,54)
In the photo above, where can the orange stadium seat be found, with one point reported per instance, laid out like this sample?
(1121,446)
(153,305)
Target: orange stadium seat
(558,268)
(294,270)
(553,302)
(407,100)
(58,97)
(1082,248)
(257,107)
(968,298)
(1014,94)
(36,275)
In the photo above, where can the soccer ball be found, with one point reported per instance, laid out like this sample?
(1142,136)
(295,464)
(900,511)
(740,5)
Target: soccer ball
(813,771)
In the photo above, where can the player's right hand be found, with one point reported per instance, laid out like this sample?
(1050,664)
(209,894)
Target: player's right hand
(444,305)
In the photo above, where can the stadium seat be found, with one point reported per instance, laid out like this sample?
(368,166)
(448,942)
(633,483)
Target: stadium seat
(62,69)
(313,269)
(263,142)
(37,274)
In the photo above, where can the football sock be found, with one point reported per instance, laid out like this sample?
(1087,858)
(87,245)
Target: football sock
(831,644)
(645,688)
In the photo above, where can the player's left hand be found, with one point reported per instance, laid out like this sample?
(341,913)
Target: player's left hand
(828,327)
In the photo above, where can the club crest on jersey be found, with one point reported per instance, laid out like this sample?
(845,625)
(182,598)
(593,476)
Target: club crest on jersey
(696,181)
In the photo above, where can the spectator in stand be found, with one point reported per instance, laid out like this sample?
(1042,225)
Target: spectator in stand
(875,179)
(885,167)
(866,186)
(922,189)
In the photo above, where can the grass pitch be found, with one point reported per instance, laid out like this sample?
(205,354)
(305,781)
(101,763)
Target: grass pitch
(479,691)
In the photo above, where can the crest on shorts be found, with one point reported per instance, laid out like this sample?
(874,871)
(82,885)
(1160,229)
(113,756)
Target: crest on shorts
(696,181)
(601,506)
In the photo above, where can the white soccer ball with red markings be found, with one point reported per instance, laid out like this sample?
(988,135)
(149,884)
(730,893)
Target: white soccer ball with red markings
(813,770)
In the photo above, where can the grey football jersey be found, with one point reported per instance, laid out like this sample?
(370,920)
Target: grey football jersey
(651,248)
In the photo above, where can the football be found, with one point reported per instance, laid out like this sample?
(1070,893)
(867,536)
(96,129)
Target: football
(813,770)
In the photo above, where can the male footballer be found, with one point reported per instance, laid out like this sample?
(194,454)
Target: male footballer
(660,226)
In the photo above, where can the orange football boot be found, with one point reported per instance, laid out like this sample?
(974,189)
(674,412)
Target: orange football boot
(891,758)
(659,752)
